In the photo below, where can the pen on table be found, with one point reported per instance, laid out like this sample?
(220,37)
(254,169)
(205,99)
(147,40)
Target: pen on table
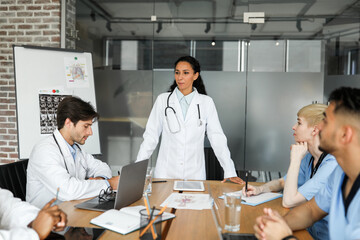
(159,181)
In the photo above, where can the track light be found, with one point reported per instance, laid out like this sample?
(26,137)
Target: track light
(93,16)
(208,27)
(298,25)
(253,26)
(108,26)
(159,28)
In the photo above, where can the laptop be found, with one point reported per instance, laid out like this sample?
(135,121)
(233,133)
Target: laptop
(130,189)
(227,235)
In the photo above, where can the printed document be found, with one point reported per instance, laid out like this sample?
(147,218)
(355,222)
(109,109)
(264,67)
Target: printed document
(188,201)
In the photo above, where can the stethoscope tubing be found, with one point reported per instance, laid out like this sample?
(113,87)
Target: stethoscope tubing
(64,156)
(172,109)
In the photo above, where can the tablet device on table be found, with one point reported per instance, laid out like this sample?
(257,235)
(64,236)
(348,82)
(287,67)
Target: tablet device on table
(189,186)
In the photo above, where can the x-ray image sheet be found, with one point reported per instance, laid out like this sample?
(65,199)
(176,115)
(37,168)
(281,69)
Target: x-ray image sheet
(48,107)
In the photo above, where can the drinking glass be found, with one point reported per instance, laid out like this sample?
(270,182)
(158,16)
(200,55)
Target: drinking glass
(232,211)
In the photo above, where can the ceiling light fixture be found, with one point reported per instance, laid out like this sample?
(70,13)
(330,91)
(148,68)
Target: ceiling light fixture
(298,25)
(159,28)
(93,16)
(253,26)
(108,26)
(213,43)
(208,27)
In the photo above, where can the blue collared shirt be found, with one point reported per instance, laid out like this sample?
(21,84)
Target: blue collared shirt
(184,100)
(72,150)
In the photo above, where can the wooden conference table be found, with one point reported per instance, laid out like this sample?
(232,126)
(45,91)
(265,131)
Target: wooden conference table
(188,224)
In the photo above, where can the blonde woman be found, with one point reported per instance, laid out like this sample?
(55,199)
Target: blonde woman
(309,167)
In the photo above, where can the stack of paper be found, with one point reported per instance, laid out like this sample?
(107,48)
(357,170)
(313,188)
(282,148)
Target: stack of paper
(259,199)
(188,201)
(124,220)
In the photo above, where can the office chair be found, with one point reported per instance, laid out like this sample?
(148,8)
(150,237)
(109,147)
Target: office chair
(213,168)
(13,178)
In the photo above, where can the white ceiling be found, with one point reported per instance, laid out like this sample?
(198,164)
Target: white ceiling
(188,18)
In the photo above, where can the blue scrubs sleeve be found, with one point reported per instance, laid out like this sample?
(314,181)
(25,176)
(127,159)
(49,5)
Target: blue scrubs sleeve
(314,184)
(323,197)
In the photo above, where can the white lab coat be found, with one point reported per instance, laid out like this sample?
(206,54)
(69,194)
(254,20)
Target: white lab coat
(181,155)
(46,172)
(15,215)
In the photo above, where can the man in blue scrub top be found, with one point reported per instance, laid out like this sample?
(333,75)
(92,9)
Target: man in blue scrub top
(340,198)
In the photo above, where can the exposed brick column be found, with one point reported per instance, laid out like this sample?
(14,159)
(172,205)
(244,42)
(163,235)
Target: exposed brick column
(22,22)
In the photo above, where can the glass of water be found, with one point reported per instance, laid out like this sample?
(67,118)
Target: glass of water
(232,211)
(148,180)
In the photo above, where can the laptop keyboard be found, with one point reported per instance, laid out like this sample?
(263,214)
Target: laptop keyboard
(105,205)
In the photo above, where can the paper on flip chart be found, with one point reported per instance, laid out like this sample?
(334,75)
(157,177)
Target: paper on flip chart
(188,201)
(258,199)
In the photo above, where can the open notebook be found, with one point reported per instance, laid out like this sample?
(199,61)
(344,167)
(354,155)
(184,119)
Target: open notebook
(124,220)
(259,199)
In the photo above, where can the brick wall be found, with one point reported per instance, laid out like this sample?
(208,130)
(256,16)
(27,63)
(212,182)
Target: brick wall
(22,22)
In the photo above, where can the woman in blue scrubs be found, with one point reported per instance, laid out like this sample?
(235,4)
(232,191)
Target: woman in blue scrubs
(309,167)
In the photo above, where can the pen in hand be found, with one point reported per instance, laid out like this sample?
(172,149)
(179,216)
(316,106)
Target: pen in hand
(57,193)
(56,202)
(246,181)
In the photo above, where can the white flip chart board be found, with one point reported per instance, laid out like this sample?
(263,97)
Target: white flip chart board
(43,76)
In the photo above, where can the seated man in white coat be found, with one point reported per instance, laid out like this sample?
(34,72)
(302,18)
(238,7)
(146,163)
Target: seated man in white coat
(20,220)
(57,161)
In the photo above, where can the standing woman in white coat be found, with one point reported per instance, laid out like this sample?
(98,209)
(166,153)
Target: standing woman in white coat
(182,116)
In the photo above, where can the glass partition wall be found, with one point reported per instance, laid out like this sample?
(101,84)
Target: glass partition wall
(259,69)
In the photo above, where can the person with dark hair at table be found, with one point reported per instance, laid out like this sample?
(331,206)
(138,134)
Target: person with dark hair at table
(59,162)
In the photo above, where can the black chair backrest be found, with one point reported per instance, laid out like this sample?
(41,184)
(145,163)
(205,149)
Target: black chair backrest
(13,178)
(213,168)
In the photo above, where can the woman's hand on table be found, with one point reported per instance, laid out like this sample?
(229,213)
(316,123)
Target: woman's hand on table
(234,180)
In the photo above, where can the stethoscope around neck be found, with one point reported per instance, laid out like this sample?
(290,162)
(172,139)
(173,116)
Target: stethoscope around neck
(177,128)
(86,169)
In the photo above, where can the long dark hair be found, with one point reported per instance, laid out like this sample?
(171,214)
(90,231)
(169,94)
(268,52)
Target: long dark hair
(195,65)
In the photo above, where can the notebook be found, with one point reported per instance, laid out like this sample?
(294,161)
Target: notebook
(258,199)
(130,189)
(124,220)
